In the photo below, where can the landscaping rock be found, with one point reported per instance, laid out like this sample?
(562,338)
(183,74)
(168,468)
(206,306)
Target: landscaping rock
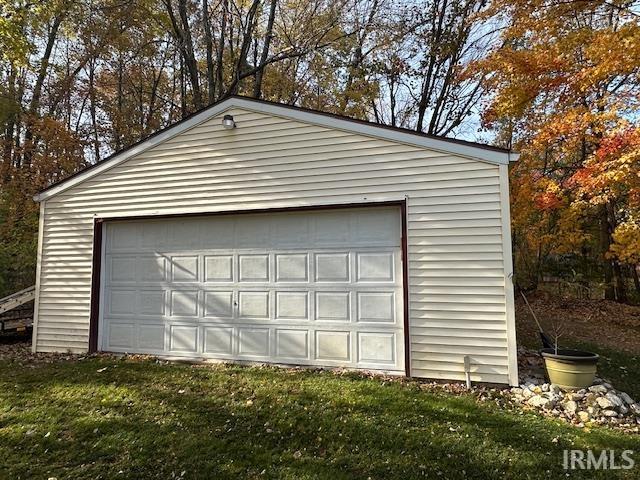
(614,399)
(555,389)
(590,399)
(576,397)
(570,407)
(626,398)
(526,393)
(584,416)
(604,403)
(538,401)
(598,389)
(600,404)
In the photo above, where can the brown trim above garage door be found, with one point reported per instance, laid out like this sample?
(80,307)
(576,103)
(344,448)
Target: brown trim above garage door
(97,258)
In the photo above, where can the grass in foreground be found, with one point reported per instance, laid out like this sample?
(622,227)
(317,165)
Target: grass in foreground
(140,419)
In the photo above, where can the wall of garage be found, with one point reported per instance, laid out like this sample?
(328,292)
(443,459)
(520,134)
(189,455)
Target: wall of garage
(455,208)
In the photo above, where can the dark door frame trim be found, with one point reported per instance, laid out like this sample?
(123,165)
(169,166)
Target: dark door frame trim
(96,271)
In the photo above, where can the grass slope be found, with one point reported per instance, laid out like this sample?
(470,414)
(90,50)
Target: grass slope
(140,419)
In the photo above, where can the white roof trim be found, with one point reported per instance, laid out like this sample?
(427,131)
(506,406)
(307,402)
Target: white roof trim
(328,121)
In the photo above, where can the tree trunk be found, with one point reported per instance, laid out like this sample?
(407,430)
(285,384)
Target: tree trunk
(92,110)
(247,35)
(257,87)
(636,279)
(605,242)
(618,277)
(208,40)
(428,82)
(621,287)
(34,105)
(220,52)
(8,145)
(120,102)
(182,33)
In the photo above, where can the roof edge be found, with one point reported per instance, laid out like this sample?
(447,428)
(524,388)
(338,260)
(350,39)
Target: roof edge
(476,151)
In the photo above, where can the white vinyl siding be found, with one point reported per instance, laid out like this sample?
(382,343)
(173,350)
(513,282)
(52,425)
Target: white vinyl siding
(458,283)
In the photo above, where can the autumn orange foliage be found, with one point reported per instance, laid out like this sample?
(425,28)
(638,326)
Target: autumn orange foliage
(566,87)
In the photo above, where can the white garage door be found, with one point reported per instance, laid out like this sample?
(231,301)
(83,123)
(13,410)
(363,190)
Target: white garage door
(313,288)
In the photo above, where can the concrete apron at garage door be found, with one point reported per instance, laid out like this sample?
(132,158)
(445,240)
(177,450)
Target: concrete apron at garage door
(319,287)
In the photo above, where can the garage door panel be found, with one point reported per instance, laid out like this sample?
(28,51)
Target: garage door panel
(376,227)
(183,338)
(152,302)
(378,307)
(151,337)
(331,228)
(124,236)
(377,347)
(319,288)
(292,267)
(253,342)
(333,346)
(121,335)
(153,235)
(253,305)
(375,267)
(218,340)
(183,303)
(292,305)
(290,230)
(332,267)
(252,232)
(253,268)
(122,302)
(218,268)
(219,234)
(183,233)
(122,269)
(333,306)
(151,268)
(292,344)
(184,268)
(218,304)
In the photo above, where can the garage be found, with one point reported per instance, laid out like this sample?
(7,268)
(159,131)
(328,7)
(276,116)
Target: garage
(320,287)
(256,232)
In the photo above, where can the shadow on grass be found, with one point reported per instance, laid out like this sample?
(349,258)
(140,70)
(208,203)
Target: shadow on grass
(154,421)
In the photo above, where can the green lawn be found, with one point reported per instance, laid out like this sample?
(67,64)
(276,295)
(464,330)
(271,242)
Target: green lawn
(140,419)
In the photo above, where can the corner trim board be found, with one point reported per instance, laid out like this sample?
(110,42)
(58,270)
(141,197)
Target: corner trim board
(512,347)
(36,304)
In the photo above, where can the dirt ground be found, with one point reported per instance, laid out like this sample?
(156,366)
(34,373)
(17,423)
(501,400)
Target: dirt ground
(609,324)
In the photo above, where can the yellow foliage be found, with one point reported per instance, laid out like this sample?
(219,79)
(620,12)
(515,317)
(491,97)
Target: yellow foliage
(626,246)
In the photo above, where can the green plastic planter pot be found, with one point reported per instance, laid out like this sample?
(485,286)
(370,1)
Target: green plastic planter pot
(571,369)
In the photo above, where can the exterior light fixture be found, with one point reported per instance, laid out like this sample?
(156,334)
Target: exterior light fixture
(228,123)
